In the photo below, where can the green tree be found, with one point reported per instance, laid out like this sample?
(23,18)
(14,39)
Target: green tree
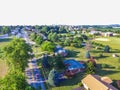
(39,40)
(50,35)
(14,80)
(48,46)
(17,53)
(33,36)
(5,30)
(90,68)
(107,49)
(62,30)
(54,37)
(45,29)
(67,42)
(58,62)
(50,77)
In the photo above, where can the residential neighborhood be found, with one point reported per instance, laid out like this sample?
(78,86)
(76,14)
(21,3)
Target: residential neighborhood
(59,45)
(56,58)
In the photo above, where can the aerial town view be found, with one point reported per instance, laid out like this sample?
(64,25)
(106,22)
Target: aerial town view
(59,45)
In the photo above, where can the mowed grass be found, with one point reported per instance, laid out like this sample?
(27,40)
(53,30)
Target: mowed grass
(3,68)
(4,42)
(113,71)
(113,42)
(79,54)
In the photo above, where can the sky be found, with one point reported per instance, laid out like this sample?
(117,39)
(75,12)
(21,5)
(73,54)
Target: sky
(69,12)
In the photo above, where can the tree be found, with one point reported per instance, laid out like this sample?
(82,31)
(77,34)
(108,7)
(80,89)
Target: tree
(54,37)
(50,77)
(17,53)
(107,49)
(84,37)
(67,42)
(62,30)
(45,62)
(45,29)
(50,35)
(87,54)
(48,46)
(89,68)
(33,36)
(39,40)
(58,62)
(5,30)
(78,41)
(14,80)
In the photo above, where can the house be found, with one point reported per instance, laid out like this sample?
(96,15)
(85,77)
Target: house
(73,67)
(93,32)
(94,82)
(108,34)
(60,50)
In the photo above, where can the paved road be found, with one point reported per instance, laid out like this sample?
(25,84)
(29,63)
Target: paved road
(34,76)
(32,72)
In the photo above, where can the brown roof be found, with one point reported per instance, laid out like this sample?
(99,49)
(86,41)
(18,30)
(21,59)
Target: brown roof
(94,82)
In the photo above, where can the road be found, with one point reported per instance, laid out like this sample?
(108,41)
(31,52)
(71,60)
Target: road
(32,72)
(34,76)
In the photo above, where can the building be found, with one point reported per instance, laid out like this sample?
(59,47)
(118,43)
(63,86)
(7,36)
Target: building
(61,51)
(108,34)
(94,82)
(73,67)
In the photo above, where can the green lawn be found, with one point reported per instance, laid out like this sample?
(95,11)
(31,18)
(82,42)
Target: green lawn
(113,42)
(111,71)
(4,42)
(3,68)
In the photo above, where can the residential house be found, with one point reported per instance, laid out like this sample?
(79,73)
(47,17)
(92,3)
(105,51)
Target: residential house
(108,34)
(94,82)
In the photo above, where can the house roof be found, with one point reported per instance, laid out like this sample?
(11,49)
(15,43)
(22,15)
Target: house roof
(94,82)
(73,64)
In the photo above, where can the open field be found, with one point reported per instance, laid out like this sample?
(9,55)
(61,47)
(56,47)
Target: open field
(114,71)
(113,42)
(4,42)
(3,68)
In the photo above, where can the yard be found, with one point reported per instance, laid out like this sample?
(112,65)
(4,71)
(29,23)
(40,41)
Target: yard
(113,69)
(3,66)
(113,65)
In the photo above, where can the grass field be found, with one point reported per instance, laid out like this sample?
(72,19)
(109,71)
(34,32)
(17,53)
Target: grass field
(113,69)
(3,66)
(4,42)
(113,42)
